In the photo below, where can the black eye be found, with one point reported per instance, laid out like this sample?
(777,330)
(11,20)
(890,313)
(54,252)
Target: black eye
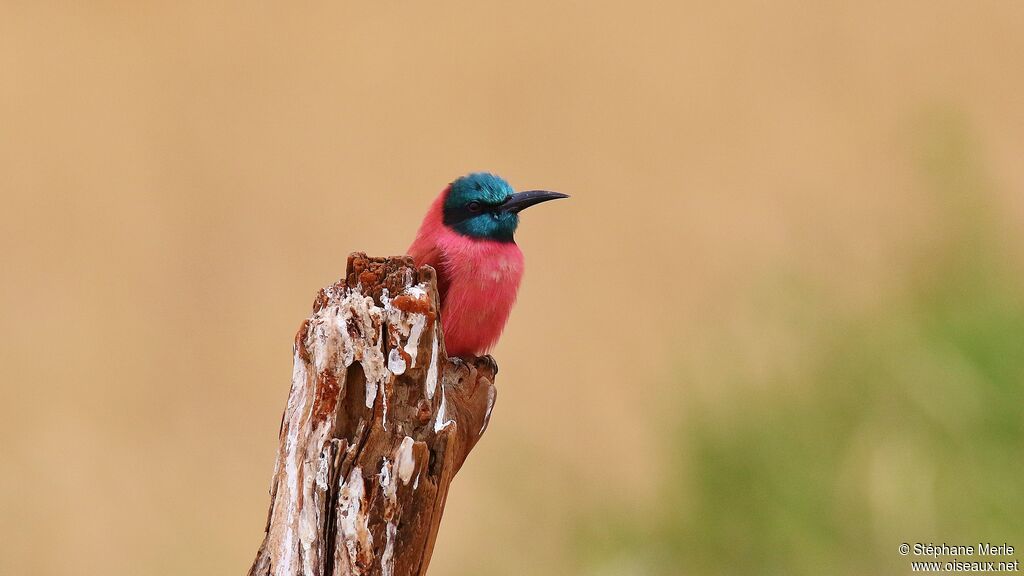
(474,206)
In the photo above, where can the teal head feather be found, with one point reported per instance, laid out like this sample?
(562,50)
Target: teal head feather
(475,207)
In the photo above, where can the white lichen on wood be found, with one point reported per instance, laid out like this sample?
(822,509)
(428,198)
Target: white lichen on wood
(389,484)
(405,462)
(492,393)
(431,384)
(362,398)
(442,421)
(354,539)
(346,332)
(407,326)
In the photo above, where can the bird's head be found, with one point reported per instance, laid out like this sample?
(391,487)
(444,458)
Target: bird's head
(484,206)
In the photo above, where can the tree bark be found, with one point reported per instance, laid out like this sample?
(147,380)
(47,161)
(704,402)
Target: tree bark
(378,422)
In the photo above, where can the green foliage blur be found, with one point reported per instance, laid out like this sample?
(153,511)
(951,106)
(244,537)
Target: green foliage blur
(903,424)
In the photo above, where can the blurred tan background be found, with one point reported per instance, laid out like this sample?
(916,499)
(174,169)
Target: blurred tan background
(776,330)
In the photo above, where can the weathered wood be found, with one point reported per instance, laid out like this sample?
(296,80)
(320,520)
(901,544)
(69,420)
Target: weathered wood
(378,422)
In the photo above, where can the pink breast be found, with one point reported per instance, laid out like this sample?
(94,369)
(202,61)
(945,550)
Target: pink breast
(484,278)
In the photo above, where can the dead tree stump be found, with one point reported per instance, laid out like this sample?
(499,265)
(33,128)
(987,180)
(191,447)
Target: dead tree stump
(378,422)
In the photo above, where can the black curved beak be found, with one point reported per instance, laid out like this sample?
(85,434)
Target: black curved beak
(522,200)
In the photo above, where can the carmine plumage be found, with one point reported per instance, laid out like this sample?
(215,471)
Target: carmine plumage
(467,236)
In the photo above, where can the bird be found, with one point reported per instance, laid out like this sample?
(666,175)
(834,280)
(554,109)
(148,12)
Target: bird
(468,237)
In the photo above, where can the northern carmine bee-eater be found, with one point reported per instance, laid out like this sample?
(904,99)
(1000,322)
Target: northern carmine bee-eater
(468,237)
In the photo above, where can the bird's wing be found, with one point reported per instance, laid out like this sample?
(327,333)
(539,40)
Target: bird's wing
(434,257)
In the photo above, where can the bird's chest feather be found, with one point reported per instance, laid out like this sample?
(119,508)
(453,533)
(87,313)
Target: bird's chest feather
(483,276)
(486,265)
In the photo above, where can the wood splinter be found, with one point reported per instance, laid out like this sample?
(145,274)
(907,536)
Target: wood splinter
(378,422)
